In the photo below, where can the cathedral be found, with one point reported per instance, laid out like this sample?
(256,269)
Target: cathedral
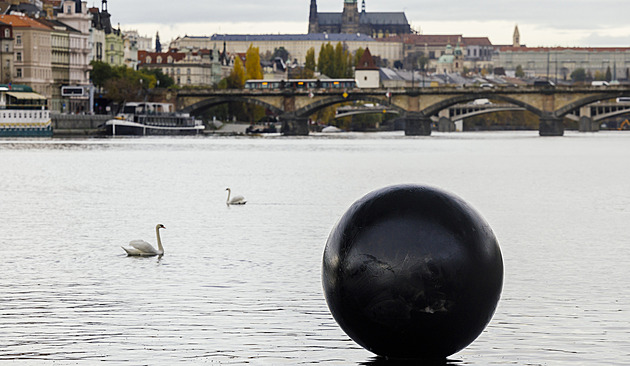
(351,20)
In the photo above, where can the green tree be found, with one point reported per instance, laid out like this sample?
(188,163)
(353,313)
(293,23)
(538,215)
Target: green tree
(280,52)
(163,80)
(309,65)
(357,55)
(608,76)
(253,70)
(578,75)
(340,61)
(101,72)
(326,59)
(519,73)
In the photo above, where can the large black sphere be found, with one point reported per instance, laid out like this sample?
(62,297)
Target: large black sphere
(412,272)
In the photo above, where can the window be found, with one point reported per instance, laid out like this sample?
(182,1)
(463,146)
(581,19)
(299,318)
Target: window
(159,59)
(18,40)
(7,33)
(18,73)
(188,71)
(170,59)
(18,56)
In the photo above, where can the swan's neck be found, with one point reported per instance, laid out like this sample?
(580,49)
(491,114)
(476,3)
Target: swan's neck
(229,193)
(159,240)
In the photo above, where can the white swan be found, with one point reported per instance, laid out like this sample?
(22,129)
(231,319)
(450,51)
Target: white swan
(141,248)
(237,200)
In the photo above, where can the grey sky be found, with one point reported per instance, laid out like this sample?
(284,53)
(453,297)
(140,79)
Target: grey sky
(542,22)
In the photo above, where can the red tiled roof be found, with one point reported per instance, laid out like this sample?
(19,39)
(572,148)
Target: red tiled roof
(20,21)
(142,57)
(366,62)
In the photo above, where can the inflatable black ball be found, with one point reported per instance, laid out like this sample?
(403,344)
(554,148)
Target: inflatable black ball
(412,272)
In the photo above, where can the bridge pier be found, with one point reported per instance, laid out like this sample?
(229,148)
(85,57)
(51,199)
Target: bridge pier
(294,126)
(551,126)
(588,125)
(417,125)
(446,125)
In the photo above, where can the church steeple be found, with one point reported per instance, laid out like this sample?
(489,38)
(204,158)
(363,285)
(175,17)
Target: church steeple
(158,44)
(104,6)
(363,7)
(516,38)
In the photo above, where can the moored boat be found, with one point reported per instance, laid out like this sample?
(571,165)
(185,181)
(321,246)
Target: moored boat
(147,118)
(23,113)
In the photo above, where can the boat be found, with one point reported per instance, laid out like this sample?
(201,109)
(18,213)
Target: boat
(23,113)
(148,118)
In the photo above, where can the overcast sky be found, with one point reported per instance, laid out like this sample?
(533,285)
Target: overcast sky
(541,22)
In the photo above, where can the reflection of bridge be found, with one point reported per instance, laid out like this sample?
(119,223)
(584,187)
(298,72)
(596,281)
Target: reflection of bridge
(416,106)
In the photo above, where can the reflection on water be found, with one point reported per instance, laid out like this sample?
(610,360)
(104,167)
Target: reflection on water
(241,285)
(383,361)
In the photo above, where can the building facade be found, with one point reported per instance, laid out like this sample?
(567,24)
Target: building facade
(296,44)
(559,62)
(6,53)
(188,68)
(33,53)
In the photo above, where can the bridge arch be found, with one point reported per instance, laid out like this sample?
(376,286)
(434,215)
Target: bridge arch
(437,107)
(312,108)
(588,100)
(215,101)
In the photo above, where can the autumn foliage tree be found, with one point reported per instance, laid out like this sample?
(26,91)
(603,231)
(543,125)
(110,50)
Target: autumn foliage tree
(253,70)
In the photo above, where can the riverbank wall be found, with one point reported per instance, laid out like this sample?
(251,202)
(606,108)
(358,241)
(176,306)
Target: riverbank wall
(77,124)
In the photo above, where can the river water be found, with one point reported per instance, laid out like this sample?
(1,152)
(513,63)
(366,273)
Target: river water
(241,285)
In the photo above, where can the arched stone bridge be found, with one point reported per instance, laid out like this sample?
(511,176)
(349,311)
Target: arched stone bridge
(417,106)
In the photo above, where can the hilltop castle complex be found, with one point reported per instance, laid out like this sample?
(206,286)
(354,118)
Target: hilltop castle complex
(351,20)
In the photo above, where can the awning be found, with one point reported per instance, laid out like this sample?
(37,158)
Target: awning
(26,95)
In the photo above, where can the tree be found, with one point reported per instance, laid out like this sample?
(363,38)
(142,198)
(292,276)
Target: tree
(280,52)
(325,60)
(253,70)
(101,72)
(578,75)
(519,73)
(357,55)
(236,79)
(163,80)
(309,65)
(608,76)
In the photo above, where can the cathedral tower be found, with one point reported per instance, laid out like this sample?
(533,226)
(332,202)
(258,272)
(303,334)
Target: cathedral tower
(313,21)
(350,17)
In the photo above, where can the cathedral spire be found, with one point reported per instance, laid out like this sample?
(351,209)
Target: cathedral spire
(158,44)
(313,21)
